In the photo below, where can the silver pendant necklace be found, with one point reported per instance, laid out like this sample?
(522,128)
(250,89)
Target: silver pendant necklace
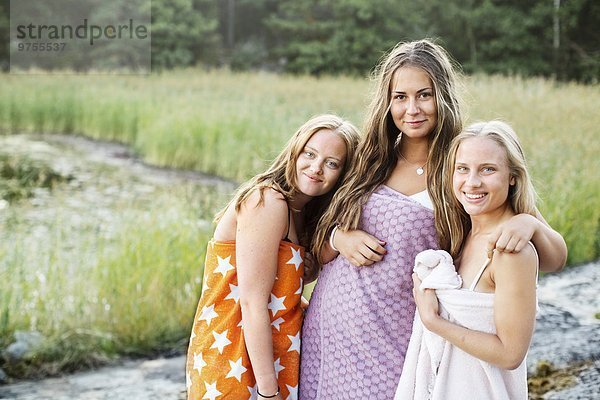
(420,169)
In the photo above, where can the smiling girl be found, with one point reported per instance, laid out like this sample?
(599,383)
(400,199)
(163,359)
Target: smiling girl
(245,341)
(486,324)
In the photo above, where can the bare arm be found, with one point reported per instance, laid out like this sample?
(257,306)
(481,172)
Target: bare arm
(513,235)
(515,277)
(257,267)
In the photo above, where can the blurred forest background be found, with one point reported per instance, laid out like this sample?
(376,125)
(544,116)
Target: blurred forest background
(550,38)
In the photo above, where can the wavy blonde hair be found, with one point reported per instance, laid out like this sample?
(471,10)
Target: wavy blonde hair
(376,153)
(521,196)
(281,175)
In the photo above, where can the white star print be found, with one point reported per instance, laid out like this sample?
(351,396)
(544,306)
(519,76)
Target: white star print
(221,341)
(199,363)
(278,367)
(277,322)
(234,293)
(211,391)
(208,313)
(237,369)
(253,392)
(224,266)
(299,291)
(276,304)
(293,392)
(295,342)
(188,380)
(296,259)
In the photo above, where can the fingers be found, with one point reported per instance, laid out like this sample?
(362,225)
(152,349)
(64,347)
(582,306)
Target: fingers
(366,255)
(512,236)
(520,246)
(415,279)
(360,260)
(359,247)
(493,242)
(376,246)
(510,244)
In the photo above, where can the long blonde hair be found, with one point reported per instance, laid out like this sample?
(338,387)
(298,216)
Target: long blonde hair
(281,175)
(376,153)
(521,196)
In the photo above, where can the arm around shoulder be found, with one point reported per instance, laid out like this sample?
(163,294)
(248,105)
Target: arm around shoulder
(550,245)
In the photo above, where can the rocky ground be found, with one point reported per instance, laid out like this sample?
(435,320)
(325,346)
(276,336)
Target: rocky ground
(567,335)
(565,352)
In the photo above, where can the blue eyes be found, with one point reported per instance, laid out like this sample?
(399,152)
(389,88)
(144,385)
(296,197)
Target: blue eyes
(461,169)
(329,163)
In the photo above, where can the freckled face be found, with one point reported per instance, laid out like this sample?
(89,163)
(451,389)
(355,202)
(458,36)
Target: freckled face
(320,164)
(481,178)
(413,108)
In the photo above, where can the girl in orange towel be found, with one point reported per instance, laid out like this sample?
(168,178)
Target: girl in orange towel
(245,342)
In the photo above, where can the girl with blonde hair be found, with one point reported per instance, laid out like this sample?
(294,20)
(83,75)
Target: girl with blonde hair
(479,342)
(245,341)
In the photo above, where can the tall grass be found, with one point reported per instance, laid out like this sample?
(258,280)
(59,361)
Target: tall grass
(558,126)
(228,124)
(218,122)
(95,291)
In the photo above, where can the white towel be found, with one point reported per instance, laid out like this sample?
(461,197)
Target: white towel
(436,270)
(433,367)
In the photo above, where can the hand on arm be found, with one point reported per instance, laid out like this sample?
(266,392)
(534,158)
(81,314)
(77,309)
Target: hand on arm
(513,235)
(359,247)
(257,268)
(515,278)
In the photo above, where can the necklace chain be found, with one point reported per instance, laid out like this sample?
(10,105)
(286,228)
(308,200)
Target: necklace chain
(420,169)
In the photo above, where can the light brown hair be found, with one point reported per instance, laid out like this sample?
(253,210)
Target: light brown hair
(377,155)
(281,175)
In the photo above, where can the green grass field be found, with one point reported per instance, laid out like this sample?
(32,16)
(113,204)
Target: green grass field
(230,125)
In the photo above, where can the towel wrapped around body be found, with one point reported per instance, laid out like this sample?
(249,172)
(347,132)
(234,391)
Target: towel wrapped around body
(434,368)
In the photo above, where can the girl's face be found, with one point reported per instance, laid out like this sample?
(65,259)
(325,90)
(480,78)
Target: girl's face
(481,178)
(320,163)
(413,107)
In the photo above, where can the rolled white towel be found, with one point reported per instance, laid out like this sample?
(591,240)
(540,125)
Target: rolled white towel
(436,270)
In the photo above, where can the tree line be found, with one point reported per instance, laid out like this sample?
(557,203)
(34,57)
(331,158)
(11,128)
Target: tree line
(552,38)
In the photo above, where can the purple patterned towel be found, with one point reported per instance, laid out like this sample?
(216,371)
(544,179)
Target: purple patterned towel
(359,321)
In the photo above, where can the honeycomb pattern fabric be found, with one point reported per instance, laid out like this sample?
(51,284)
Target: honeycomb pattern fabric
(218,366)
(359,321)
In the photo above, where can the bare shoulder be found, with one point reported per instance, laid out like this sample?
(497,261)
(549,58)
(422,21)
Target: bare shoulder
(267,201)
(522,263)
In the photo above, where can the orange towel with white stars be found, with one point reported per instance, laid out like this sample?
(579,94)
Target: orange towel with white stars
(218,366)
